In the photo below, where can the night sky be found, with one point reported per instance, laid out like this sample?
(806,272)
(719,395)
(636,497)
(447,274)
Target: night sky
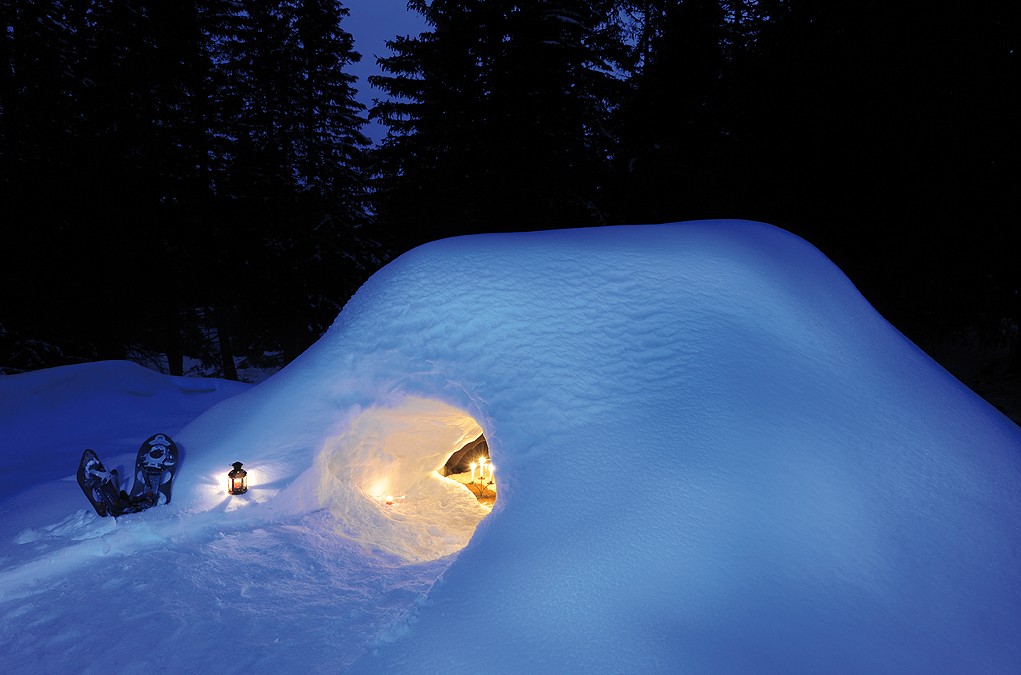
(372,23)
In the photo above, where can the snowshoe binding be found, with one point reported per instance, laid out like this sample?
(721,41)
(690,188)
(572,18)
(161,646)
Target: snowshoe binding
(101,487)
(155,466)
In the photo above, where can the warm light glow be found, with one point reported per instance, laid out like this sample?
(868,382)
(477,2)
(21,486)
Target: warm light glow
(397,452)
(482,468)
(491,474)
(216,488)
(389,500)
(379,488)
(473,471)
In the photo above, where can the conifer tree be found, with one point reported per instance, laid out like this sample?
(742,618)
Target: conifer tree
(38,128)
(497,117)
(669,133)
(175,167)
(289,181)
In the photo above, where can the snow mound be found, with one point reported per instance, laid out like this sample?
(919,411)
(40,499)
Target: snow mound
(111,406)
(713,456)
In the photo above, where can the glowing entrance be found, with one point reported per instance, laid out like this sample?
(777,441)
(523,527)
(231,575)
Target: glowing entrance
(472,467)
(382,480)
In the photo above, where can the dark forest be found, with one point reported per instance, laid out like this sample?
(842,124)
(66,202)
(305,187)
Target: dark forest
(189,179)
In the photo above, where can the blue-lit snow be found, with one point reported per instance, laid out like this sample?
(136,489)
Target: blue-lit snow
(713,456)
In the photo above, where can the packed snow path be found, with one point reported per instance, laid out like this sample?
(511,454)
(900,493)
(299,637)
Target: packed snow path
(205,598)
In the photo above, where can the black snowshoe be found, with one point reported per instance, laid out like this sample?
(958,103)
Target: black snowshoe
(155,466)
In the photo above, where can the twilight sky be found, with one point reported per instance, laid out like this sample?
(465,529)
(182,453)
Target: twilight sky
(372,23)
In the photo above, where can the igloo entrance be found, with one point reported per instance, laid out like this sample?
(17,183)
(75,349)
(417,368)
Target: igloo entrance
(382,479)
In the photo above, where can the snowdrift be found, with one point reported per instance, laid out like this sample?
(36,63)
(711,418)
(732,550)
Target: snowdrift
(713,456)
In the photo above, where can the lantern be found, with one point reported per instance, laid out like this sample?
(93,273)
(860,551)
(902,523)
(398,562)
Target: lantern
(237,480)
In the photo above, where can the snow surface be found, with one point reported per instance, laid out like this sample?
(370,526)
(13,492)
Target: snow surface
(712,455)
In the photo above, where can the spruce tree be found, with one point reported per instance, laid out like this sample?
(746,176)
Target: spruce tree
(669,135)
(180,169)
(497,117)
(289,183)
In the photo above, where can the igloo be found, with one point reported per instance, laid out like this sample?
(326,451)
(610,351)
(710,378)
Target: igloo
(713,456)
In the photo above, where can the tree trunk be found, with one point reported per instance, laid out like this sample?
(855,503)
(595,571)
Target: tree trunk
(230,372)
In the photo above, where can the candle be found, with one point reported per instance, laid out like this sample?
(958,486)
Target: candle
(389,500)
(482,469)
(473,471)
(491,469)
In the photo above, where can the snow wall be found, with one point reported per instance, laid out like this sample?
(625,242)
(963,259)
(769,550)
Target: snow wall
(713,456)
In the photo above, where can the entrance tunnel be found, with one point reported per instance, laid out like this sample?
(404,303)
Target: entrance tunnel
(412,480)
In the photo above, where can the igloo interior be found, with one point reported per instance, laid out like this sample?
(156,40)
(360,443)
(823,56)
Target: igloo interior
(382,480)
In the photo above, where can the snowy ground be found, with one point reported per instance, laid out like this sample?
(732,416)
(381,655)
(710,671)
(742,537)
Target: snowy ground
(164,591)
(205,599)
